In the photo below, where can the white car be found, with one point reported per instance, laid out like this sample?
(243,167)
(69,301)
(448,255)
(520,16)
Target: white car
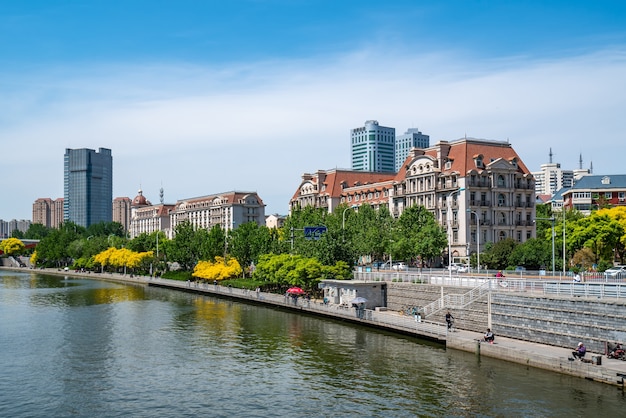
(399,266)
(616,272)
(458,267)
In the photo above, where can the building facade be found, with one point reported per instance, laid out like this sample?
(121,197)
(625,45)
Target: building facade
(373,147)
(552,178)
(88,186)
(479,190)
(8,227)
(229,210)
(146,218)
(121,211)
(594,191)
(48,212)
(328,189)
(275,221)
(412,138)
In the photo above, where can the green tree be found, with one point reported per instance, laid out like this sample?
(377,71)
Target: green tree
(532,254)
(183,248)
(419,235)
(598,232)
(496,255)
(36,231)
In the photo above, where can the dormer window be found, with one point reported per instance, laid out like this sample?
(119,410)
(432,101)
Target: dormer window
(478,160)
(448,165)
(606,180)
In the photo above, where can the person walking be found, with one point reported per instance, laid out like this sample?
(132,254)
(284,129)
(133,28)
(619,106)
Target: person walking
(449,320)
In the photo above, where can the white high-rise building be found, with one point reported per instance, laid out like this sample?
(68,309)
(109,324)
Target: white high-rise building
(373,148)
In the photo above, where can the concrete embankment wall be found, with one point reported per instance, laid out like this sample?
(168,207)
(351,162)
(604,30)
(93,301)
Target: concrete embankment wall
(544,319)
(560,321)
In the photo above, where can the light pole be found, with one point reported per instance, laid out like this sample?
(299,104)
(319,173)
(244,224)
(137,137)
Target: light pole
(477,239)
(552,219)
(343,220)
(563,213)
(449,200)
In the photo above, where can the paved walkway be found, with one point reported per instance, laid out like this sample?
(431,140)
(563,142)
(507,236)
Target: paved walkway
(518,351)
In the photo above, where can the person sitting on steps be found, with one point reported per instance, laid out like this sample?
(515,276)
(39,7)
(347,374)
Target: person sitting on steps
(489,337)
(580,352)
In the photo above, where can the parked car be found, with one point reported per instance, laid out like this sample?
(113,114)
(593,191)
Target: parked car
(399,266)
(463,268)
(616,272)
(458,267)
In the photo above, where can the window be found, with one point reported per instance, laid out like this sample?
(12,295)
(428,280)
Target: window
(501,200)
(608,195)
(501,182)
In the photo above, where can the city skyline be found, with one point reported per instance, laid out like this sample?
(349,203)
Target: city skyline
(189,104)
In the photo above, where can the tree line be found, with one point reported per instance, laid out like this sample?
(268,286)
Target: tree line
(352,236)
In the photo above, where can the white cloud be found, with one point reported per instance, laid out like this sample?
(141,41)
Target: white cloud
(259,127)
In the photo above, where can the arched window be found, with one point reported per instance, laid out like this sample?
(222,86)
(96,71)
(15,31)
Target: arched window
(501,200)
(502,235)
(501,182)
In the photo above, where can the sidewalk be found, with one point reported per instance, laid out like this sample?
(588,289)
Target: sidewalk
(541,356)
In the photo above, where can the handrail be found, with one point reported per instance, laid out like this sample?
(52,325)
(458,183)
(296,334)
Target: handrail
(456,301)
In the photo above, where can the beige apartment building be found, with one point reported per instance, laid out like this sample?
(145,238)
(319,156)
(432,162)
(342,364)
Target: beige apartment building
(48,212)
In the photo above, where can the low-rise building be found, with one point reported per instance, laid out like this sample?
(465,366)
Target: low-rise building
(595,191)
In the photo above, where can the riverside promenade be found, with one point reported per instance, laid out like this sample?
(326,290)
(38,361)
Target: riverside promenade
(547,357)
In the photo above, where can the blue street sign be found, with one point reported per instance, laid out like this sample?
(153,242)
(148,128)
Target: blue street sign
(314,232)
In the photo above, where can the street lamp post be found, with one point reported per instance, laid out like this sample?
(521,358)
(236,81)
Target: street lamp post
(449,200)
(563,213)
(477,239)
(343,220)
(552,219)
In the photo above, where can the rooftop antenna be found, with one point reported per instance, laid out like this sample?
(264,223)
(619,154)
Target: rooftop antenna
(580,161)
(551,155)
(591,167)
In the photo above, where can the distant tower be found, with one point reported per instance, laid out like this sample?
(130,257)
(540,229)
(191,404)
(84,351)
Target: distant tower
(373,147)
(412,138)
(88,186)
(161,194)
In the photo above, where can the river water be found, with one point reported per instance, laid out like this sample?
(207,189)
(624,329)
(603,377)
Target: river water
(88,348)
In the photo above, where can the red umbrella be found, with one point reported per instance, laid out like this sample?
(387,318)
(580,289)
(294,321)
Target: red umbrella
(295,291)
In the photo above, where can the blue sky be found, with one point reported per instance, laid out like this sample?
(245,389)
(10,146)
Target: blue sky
(203,97)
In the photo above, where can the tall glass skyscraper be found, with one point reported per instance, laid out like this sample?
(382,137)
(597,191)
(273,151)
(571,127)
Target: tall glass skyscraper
(373,148)
(88,186)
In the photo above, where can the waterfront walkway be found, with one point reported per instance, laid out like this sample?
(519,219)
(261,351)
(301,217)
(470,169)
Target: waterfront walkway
(518,351)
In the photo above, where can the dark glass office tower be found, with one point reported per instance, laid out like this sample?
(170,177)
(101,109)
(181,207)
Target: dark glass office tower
(88,186)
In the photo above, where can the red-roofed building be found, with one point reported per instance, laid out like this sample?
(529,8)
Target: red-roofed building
(464,183)
(228,210)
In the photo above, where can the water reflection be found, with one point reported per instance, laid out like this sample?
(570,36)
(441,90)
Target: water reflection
(104,349)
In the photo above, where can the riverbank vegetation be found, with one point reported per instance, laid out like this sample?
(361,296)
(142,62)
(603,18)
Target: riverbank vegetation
(314,244)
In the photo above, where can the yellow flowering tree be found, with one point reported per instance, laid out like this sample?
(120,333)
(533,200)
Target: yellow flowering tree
(11,246)
(217,270)
(122,258)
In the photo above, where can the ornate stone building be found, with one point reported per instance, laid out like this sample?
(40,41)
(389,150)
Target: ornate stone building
(228,210)
(479,190)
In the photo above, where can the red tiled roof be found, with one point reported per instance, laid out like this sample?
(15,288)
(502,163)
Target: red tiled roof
(336,178)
